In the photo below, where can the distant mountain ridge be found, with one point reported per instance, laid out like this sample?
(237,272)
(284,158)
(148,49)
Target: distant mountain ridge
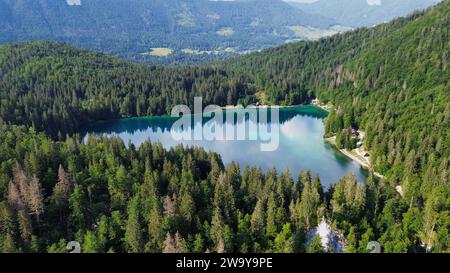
(363,13)
(130,28)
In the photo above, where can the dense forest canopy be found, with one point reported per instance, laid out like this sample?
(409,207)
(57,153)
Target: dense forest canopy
(60,88)
(391,81)
(148,199)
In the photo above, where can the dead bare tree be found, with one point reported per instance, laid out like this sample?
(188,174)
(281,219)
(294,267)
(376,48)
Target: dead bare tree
(36,199)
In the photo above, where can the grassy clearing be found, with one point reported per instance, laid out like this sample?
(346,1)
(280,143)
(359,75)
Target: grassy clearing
(310,33)
(160,52)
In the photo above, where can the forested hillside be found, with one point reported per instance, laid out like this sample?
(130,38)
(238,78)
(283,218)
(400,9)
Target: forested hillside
(57,88)
(391,81)
(147,199)
(364,13)
(188,31)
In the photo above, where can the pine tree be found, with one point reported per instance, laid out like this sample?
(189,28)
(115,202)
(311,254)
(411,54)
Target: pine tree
(62,189)
(102,233)
(187,206)
(309,204)
(198,244)
(169,244)
(36,198)
(284,241)
(78,204)
(271,222)
(180,243)
(133,232)
(315,246)
(224,202)
(217,227)
(170,208)
(352,241)
(257,221)
(243,235)
(349,199)
(25,226)
(155,232)
(91,243)
(174,244)
(428,234)
(9,246)
(14,198)
(21,181)
(220,246)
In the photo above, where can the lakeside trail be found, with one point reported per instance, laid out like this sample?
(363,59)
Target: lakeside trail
(358,156)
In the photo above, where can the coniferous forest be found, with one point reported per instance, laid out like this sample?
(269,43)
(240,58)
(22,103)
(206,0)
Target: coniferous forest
(391,81)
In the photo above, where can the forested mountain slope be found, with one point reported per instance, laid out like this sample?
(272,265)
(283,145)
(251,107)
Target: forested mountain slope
(57,88)
(364,13)
(189,31)
(391,81)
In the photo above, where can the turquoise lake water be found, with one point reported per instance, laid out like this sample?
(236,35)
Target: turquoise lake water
(301,144)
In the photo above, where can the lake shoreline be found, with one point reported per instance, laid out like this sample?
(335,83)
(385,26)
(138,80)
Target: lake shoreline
(364,163)
(237,107)
(230,107)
